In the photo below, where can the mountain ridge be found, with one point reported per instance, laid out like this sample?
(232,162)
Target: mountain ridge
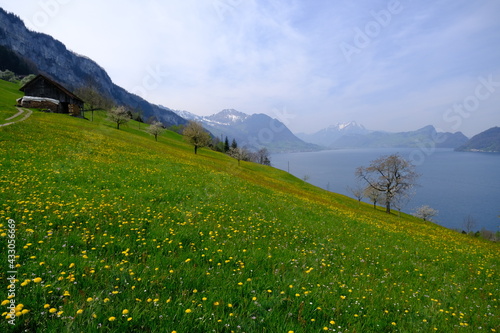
(486,141)
(52,58)
(252,131)
(355,135)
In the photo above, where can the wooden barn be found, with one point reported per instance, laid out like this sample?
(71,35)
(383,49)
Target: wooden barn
(44,93)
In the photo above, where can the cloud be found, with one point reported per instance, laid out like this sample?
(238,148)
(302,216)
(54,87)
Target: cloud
(257,55)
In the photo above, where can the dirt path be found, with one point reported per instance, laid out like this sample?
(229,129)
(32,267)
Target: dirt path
(21,111)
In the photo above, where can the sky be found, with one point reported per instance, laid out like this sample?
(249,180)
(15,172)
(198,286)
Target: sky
(395,65)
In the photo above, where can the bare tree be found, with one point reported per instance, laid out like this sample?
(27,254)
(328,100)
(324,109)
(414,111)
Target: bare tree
(93,100)
(372,194)
(357,192)
(469,224)
(119,115)
(391,175)
(262,157)
(155,129)
(195,134)
(425,212)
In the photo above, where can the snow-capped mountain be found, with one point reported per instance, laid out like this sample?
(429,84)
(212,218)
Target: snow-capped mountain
(327,136)
(186,114)
(354,135)
(252,131)
(227,117)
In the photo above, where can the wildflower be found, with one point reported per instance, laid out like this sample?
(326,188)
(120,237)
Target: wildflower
(125,312)
(37,280)
(90,299)
(5,302)
(46,306)
(112,318)
(80,311)
(188,311)
(53,310)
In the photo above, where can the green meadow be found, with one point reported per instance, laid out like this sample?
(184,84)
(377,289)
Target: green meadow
(115,232)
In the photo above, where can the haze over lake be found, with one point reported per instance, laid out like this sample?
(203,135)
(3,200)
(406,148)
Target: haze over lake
(457,184)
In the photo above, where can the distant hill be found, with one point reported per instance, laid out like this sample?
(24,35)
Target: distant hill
(487,141)
(252,131)
(353,135)
(328,136)
(23,51)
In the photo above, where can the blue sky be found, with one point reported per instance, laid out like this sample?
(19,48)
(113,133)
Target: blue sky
(390,65)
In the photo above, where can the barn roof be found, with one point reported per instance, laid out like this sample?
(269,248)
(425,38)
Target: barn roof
(54,83)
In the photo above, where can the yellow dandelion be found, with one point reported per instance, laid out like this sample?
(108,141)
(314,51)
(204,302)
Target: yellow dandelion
(80,311)
(112,318)
(5,302)
(53,310)
(37,280)
(188,311)
(125,312)
(46,306)
(129,318)
(90,299)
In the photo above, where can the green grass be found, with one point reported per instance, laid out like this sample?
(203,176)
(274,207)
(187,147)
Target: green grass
(119,233)
(9,92)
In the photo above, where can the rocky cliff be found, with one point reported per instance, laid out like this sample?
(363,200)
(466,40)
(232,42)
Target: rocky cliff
(53,59)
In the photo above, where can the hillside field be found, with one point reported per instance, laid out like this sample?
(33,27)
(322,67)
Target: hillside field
(115,232)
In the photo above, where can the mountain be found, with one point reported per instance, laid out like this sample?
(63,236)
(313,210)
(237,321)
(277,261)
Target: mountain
(487,141)
(252,131)
(327,137)
(23,50)
(353,135)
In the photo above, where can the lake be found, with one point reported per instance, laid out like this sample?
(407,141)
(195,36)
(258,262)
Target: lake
(457,184)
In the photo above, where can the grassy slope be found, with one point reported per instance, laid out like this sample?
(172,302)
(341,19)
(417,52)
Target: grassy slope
(111,221)
(9,92)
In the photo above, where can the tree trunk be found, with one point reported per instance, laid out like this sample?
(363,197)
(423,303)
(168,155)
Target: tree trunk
(195,149)
(388,207)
